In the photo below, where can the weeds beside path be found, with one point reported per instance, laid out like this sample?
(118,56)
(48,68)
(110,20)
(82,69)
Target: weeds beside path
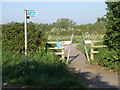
(92,76)
(43,70)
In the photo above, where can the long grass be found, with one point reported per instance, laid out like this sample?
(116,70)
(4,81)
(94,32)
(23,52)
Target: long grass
(43,70)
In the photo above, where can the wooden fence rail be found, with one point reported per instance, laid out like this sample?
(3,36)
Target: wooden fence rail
(62,53)
(93,46)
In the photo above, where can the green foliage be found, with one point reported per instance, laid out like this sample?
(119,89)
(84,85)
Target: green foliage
(108,58)
(13,37)
(102,19)
(69,31)
(112,39)
(112,36)
(43,70)
(64,23)
(98,27)
(0,32)
(44,27)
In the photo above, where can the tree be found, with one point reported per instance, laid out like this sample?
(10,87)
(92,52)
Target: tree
(102,19)
(64,23)
(112,36)
(111,58)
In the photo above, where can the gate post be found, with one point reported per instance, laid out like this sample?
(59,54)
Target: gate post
(92,49)
(63,55)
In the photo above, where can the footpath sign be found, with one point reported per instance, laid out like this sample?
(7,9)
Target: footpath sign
(59,44)
(31,13)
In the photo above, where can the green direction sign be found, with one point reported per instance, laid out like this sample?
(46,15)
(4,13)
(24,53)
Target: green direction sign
(31,13)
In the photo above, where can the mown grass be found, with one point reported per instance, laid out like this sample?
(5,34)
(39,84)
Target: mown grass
(43,70)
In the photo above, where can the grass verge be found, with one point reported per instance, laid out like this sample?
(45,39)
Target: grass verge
(43,70)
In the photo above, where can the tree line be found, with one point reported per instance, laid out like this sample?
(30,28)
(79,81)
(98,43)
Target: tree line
(65,26)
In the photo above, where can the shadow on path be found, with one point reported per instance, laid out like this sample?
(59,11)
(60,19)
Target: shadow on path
(94,81)
(72,58)
(92,76)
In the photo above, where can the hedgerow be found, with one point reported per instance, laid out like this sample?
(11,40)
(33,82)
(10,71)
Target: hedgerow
(13,37)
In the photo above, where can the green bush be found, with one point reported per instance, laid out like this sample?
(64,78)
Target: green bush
(113,25)
(108,58)
(13,37)
(112,36)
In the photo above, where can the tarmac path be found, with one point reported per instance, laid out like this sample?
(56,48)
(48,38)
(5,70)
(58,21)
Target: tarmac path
(92,76)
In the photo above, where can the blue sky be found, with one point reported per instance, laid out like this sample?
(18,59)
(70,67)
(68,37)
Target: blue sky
(48,12)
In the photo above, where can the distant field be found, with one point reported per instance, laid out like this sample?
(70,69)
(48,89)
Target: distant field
(76,38)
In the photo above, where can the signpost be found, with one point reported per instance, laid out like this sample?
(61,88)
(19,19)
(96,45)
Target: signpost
(28,14)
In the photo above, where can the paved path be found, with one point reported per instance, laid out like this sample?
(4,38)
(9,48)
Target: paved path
(92,76)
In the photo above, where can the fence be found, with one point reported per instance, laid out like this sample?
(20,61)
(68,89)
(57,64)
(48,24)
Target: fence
(93,47)
(61,47)
(62,53)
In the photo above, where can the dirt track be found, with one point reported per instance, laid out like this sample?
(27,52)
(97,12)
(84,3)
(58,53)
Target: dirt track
(92,76)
